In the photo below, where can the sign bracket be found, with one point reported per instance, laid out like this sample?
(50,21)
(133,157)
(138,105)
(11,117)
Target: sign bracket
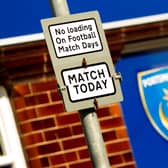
(118,76)
(95,102)
(84,84)
(84,62)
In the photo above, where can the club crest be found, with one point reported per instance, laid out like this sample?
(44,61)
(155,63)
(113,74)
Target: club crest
(153,87)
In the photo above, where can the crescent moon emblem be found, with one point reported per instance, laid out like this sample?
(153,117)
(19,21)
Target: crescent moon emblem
(163,117)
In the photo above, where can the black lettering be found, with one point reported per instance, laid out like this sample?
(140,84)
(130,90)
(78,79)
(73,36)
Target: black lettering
(91,86)
(105,83)
(86,74)
(83,88)
(76,87)
(72,79)
(93,75)
(59,40)
(101,73)
(61,48)
(59,31)
(84,44)
(98,85)
(80,78)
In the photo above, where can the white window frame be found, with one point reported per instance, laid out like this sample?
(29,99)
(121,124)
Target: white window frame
(9,137)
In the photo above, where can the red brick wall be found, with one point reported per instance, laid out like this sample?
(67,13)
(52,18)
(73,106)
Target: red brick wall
(51,137)
(54,138)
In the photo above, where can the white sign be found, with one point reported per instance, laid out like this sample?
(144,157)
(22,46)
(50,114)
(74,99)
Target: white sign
(81,60)
(92,81)
(77,37)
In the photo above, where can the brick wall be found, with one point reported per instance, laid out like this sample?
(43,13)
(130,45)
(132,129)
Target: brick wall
(51,137)
(54,138)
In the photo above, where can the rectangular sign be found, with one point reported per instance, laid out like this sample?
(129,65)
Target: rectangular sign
(145,107)
(75,38)
(90,82)
(81,60)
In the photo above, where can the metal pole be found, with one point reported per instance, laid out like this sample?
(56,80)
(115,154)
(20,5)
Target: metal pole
(59,7)
(88,117)
(94,138)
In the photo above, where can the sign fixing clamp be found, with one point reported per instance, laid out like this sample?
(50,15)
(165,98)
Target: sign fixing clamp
(95,102)
(118,76)
(84,63)
(61,88)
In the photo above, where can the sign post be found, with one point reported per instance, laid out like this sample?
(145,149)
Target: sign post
(84,70)
(94,138)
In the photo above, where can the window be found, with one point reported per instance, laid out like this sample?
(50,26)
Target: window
(11,154)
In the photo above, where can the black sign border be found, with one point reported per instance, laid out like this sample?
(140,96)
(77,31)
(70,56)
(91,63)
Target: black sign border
(78,53)
(93,97)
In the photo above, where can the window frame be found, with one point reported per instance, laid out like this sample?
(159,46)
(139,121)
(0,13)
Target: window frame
(9,137)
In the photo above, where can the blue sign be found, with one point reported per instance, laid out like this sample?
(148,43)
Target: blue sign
(153,87)
(145,106)
(20,17)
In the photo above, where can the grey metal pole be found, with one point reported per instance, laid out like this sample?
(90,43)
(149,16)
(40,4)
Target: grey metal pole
(59,7)
(88,117)
(94,138)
